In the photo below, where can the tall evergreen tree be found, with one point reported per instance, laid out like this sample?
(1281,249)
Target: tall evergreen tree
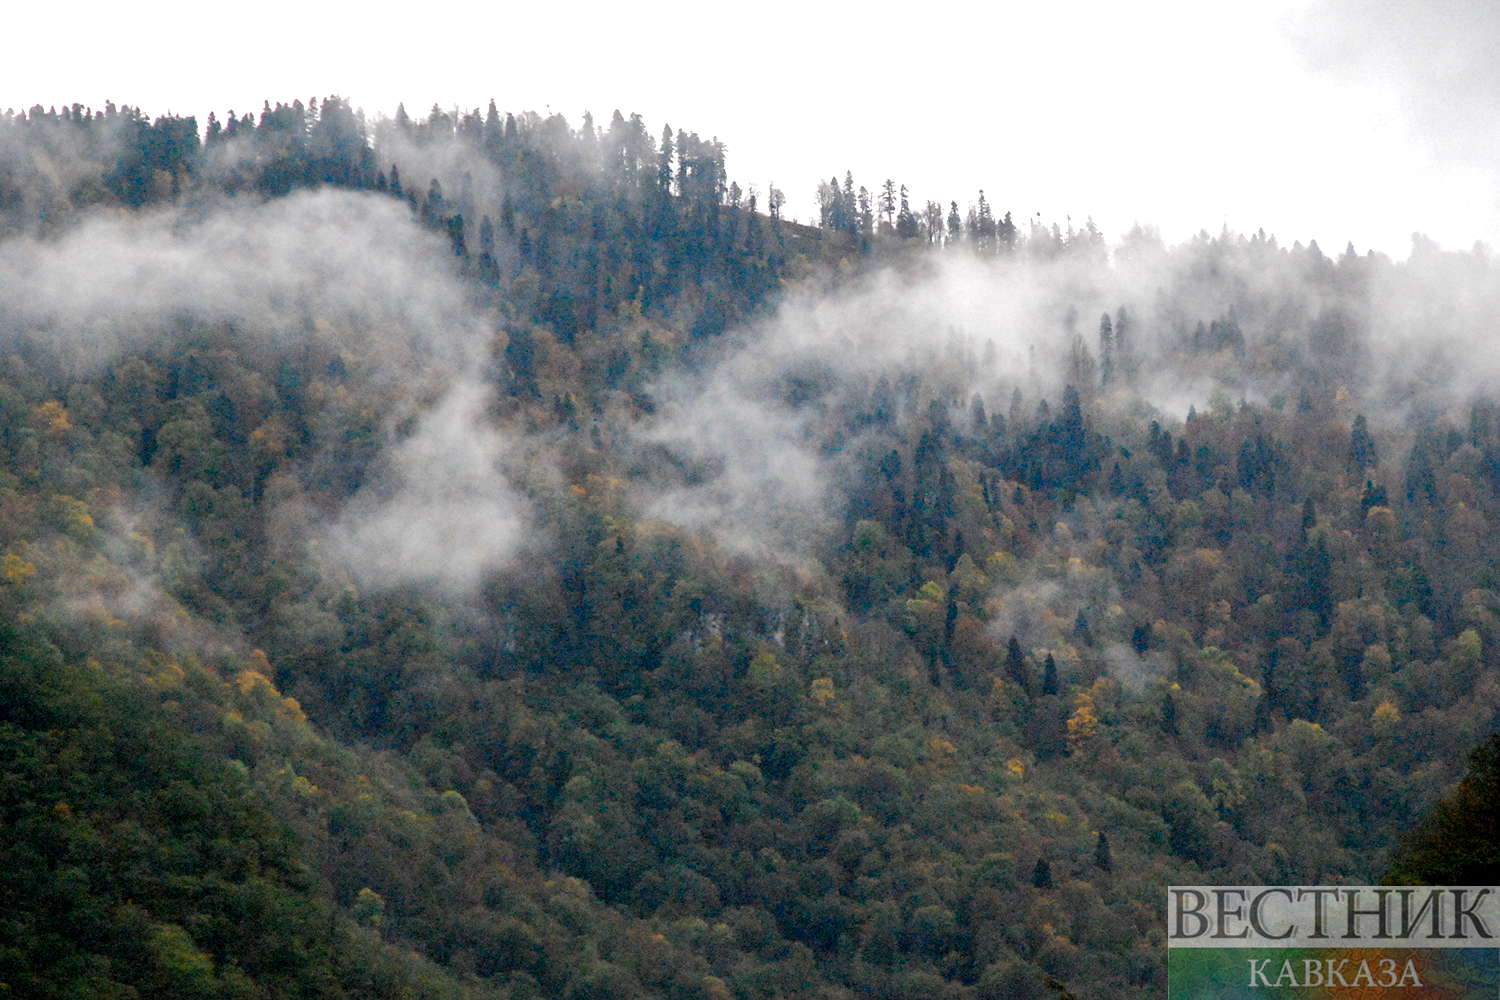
(1103,859)
(1106,349)
(1015,664)
(1362,453)
(1006,234)
(906,222)
(664,161)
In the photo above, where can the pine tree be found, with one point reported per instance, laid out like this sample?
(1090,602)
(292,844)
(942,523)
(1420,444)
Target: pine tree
(1103,860)
(1362,454)
(983,226)
(1015,664)
(1006,234)
(456,239)
(434,211)
(830,205)
(494,132)
(1106,349)
(906,222)
(1318,593)
(664,161)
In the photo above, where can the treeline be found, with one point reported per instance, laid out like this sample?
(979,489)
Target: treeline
(890,212)
(570,228)
(598,219)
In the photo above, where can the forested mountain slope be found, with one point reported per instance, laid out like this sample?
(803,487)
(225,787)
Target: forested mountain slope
(481,556)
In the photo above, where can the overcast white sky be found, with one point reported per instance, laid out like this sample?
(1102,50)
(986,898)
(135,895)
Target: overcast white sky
(1361,120)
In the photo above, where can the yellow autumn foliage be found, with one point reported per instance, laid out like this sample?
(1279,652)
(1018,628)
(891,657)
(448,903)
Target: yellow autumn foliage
(1083,724)
(16,570)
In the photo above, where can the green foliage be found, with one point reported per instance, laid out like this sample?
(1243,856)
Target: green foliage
(1458,840)
(1049,662)
(136,860)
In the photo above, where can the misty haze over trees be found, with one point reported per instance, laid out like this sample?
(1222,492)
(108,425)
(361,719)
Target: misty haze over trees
(479,556)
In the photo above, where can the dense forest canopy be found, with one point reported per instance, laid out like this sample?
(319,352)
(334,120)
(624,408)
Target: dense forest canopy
(478,555)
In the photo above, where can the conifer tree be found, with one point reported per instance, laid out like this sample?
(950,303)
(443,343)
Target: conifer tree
(1015,664)
(664,161)
(982,229)
(1362,454)
(1103,859)
(906,222)
(1006,234)
(1106,349)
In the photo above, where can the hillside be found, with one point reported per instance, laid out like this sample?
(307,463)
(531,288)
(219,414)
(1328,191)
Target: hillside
(483,556)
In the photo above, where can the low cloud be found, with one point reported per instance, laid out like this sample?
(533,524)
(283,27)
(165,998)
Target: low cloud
(351,272)
(443,512)
(332,264)
(755,447)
